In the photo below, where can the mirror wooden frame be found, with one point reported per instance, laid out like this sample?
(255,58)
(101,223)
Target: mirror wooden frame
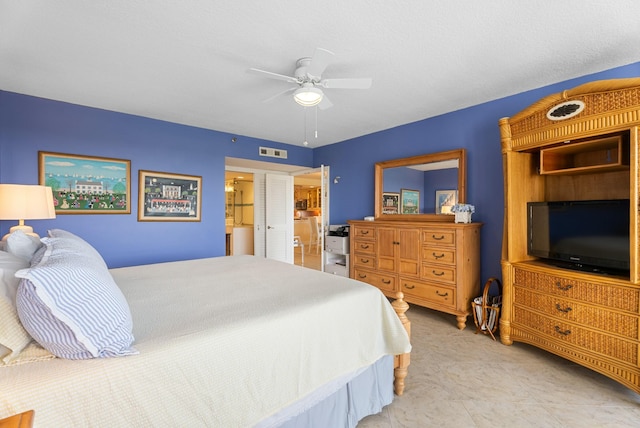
(459,154)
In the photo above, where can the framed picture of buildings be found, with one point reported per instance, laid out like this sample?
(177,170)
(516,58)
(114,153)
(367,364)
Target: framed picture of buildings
(410,201)
(390,203)
(86,184)
(169,197)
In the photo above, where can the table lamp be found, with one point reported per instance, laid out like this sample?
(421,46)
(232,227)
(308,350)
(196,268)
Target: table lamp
(25,202)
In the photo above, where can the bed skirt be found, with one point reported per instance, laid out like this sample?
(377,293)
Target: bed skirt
(340,404)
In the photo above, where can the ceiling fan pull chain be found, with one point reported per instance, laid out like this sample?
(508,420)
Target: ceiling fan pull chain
(316,110)
(305,142)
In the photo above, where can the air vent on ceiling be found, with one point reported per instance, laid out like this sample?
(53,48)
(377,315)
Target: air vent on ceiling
(273,153)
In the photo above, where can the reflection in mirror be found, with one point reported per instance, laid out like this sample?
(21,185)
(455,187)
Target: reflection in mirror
(421,187)
(426,179)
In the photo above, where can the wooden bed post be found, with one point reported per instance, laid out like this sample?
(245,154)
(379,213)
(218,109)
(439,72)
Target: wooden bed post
(402,361)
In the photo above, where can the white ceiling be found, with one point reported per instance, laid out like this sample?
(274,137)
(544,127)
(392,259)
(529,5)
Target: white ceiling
(186,61)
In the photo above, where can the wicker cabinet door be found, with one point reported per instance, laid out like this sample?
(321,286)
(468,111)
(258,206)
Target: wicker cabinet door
(409,246)
(387,249)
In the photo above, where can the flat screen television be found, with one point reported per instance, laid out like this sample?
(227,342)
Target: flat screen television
(586,235)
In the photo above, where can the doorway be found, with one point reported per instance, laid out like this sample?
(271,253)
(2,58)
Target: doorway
(306,178)
(239,212)
(307,219)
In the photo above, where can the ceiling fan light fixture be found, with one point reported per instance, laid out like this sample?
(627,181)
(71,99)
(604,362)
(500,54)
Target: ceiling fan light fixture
(308,96)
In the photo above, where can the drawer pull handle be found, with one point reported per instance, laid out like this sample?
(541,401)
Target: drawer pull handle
(565,288)
(565,310)
(364,247)
(562,332)
(442,295)
(386,281)
(361,275)
(438,256)
(436,273)
(410,287)
(364,260)
(364,232)
(438,238)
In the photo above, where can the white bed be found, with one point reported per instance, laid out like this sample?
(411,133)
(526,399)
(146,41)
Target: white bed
(226,342)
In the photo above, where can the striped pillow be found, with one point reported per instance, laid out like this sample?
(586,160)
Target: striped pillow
(70,304)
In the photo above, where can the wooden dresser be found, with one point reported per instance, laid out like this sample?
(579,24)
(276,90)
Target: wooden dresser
(581,144)
(435,265)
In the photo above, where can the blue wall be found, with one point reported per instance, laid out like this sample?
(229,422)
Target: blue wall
(29,124)
(474,129)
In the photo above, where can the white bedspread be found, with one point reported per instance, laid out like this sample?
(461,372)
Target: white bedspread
(223,342)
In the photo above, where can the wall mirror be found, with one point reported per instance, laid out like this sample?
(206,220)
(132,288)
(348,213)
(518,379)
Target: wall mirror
(420,188)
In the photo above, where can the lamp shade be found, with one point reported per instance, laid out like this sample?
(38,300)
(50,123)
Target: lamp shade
(25,202)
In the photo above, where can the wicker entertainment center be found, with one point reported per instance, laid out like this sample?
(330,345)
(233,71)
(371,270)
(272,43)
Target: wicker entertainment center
(581,144)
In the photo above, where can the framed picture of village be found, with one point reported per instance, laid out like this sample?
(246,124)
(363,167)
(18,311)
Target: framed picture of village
(86,184)
(167,196)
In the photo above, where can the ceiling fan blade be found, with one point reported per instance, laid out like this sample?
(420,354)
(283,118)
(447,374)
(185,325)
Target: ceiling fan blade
(325,103)
(364,83)
(319,62)
(271,75)
(279,94)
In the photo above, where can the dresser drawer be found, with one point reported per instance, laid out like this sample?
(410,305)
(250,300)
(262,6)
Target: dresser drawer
(428,291)
(362,232)
(565,332)
(434,272)
(364,246)
(612,296)
(569,310)
(439,236)
(383,282)
(439,255)
(364,260)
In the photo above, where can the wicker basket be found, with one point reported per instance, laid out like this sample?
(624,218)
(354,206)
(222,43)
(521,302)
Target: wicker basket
(463,217)
(486,309)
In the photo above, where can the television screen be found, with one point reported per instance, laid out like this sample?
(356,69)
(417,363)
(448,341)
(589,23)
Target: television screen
(586,235)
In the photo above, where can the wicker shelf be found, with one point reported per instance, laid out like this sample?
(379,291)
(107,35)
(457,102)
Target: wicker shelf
(604,154)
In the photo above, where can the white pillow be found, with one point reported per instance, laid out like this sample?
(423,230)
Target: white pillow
(9,265)
(13,337)
(71,305)
(22,245)
(74,243)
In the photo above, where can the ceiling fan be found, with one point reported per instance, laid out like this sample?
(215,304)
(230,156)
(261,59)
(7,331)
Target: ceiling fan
(309,82)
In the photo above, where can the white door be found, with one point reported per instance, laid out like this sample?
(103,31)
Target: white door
(259,215)
(324,173)
(279,217)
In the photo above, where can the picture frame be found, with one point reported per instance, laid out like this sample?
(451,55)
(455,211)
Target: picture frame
(409,201)
(86,184)
(445,199)
(390,203)
(164,196)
